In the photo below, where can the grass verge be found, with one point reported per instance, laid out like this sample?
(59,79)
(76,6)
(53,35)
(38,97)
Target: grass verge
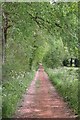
(66,82)
(12,93)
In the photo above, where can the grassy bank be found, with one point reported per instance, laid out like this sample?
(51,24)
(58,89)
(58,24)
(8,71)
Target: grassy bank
(66,82)
(12,92)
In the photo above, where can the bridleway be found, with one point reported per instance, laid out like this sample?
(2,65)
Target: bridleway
(42,100)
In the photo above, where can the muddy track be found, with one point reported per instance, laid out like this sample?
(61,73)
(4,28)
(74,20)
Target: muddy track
(42,100)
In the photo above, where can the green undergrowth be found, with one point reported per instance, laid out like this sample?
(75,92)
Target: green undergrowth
(66,82)
(12,92)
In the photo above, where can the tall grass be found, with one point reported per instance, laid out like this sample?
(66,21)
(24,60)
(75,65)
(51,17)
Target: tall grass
(12,93)
(66,82)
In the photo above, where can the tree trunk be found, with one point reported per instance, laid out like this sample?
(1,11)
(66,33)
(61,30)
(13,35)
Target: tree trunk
(5,27)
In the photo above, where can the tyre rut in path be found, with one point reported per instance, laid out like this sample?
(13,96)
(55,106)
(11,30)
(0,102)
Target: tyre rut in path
(42,100)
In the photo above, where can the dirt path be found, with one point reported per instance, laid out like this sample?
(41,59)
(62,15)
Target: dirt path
(42,100)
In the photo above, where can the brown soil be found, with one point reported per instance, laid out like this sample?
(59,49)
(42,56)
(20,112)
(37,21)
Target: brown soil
(42,100)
